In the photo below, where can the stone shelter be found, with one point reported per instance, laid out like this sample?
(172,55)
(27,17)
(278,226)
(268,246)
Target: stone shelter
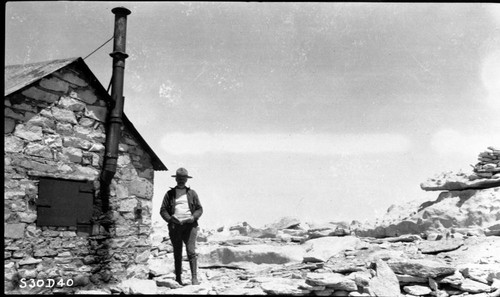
(60,223)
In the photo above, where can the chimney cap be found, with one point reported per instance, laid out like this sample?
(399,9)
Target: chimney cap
(120,10)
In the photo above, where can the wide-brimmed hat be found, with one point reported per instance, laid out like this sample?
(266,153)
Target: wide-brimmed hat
(182,172)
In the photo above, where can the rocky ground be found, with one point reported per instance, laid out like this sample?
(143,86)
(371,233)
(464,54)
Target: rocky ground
(446,247)
(325,261)
(296,258)
(329,264)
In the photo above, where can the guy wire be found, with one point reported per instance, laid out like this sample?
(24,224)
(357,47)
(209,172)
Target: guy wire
(99,47)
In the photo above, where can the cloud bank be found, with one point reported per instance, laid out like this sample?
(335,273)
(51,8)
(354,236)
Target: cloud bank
(450,141)
(318,144)
(490,75)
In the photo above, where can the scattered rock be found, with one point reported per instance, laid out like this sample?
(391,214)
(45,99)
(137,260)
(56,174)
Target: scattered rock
(385,283)
(421,268)
(450,181)
(472,286)
(484,273)
(257,253)
(321,249)
(284,286)
(138,286)
(433,250)
(167,282)
(455,279)
(286,223)
(433,247)
(410,279)
(332,280)
(160,266)
(202,289)
(402,238)
(417,290)
(341,265)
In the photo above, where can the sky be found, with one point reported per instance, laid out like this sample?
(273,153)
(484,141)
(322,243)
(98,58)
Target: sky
(320,111)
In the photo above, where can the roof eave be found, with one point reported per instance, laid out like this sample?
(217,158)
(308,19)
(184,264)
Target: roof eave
(155,160)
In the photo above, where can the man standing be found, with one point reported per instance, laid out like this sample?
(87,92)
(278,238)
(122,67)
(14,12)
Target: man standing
(181,209)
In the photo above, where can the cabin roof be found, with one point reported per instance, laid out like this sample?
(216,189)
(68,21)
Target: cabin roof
(20,76)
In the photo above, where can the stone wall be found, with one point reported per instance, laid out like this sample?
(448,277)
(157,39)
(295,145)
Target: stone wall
(56,128)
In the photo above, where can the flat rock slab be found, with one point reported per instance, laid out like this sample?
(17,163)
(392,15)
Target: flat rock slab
(409,279)
(286,223)
(258,254)
(322,249)
(459,184)
(455,279)
(239,291)
(341,265)
(434,247)
(202,289)
(471,286)
(402,238)
(334,281)
(136,286)
(328,232)
(159,267)
(421,268)
(385,283)
(283,286)
(167,282)
(484,273)
(417,290)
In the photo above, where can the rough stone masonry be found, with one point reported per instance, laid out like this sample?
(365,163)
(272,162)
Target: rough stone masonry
(55,128)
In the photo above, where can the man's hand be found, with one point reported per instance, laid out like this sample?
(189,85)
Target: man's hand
(190,220)
(175,220)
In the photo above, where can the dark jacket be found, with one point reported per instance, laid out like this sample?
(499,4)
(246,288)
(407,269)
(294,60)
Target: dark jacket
(168,206)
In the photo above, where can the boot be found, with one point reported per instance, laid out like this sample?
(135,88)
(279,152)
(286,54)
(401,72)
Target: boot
(178,271)
(194,276)
(178,279)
